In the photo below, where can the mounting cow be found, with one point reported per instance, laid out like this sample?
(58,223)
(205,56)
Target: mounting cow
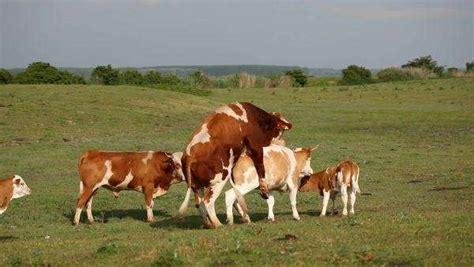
(218,142)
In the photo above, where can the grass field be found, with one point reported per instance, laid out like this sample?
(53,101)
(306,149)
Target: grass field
(414,142)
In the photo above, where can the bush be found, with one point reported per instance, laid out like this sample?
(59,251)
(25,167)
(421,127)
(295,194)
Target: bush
(426,63)
(470,66)
(356,75)
(131,77)
(105,75)
(44,73)
(298,76)
(394,74)
(201,80)
(153,77)
(5,76)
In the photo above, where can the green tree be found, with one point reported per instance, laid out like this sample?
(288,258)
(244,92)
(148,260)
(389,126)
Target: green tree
(354,74)
(201,80)
(44,73)
(131,77)
(425,62)
(105,75)
(469,66)
(298,77)
(153,77)
(5,76)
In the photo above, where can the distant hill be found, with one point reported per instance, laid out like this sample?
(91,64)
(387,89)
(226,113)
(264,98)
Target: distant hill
(213,70)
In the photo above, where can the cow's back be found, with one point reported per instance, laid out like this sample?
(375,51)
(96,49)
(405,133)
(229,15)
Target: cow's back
(6,192)
(95,166)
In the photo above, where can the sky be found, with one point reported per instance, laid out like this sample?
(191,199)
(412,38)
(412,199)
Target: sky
(138,33)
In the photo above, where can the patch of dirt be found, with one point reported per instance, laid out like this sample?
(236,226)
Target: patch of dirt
(422,178)
(446,188)
(366,194)
(287,237)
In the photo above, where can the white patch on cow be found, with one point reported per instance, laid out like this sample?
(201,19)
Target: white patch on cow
(148,157)
(307,170)
(159,192)
(292,167)
(177,160)
(298,149)
(248,172)
(231,113)
(125,182)
(107,175)
(138,188)
(81,187)
(201,137)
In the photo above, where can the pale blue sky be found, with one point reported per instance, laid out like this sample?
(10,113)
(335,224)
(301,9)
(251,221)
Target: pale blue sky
(373,33)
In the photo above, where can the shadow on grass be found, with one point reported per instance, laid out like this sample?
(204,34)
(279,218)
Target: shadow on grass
(195,221)
(103,216)
(7,237)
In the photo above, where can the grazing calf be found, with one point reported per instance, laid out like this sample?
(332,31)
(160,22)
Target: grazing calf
(10,188)
(216,145)
(341,177)
(151,173)
(283,170)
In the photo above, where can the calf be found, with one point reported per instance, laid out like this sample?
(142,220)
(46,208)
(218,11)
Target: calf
(283,170)
(327,182)
(218,142)
(10,188)
(151,173)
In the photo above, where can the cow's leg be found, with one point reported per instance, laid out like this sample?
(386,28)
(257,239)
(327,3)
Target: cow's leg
(293,193)
(214,192)
(202,208)
(270,203)
(148,191)
(90,217)
(231,197)
(353,200)
(344,199)
(84,196)
(257,157)
(333,199)
(326,196)
(229,202)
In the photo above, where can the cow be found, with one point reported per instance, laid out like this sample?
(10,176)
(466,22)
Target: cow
(218,142)
(11,188)
(151,173)
(332,180)
(283,169)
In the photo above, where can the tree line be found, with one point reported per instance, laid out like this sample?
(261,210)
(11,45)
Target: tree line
(44,73)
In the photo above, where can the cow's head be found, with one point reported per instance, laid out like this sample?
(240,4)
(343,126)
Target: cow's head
(331,173)
(20,189)
(281,124)
(303,160)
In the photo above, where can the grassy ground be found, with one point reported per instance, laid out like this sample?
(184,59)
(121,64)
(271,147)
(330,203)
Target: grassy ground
(413,141)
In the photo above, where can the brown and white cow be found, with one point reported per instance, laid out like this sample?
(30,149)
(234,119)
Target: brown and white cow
(11,188)
(151,173)
(283,170)
(332,180)
(218,142)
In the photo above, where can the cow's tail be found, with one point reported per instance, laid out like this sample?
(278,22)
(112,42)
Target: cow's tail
(240,198)
(355,181)
(184,206)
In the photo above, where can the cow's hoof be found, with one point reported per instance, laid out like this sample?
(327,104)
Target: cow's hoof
(322,215)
